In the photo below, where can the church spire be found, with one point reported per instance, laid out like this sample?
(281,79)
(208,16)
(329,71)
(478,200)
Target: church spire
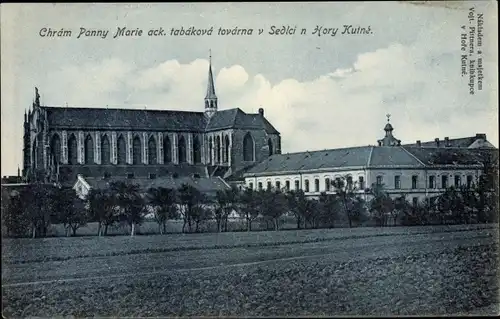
(211,97)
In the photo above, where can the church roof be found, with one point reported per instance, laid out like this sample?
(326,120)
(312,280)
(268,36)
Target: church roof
(102,118)
(364,157)
(236,118)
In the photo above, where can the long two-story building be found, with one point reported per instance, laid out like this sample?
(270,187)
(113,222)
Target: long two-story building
(419,170)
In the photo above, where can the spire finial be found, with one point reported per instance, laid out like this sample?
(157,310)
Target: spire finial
(388,117)
(210,56)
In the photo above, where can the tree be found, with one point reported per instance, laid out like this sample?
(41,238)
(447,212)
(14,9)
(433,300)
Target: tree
(189,197)
(346,189)
(14,218)
(130,203)
(101,208)
(69,210)
(164,202)
(38,204)
(329,206)
(380,205)
(298,204)
(226,201)
(272,205)
(249,206)
(200,213)
(451,206)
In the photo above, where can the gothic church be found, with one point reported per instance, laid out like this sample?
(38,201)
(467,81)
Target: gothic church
(62,143)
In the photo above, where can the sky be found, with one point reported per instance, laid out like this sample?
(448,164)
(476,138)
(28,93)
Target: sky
(320,92)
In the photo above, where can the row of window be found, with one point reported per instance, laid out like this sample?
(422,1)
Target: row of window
(328,184)
(431,181)
(361,183)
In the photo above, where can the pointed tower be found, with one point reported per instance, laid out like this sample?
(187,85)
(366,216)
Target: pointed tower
(210,98)
(389,139)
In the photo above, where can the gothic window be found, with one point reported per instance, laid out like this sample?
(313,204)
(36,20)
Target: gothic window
(136,150)
(206,104)
(248,148)
(105,150)
(270,145)
(210,148)
(121,150)
(196,150)
(89,150)
(72,150)
(226,149)
(217,149)
(167,150)
(182,149)
(55,148)
(152,151)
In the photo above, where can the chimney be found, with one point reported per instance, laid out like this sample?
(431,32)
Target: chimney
(481,135)
(261,112)
(437,141)
(446,141)
(419,144)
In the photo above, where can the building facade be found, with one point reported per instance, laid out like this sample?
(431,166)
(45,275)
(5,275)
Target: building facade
(61,143)
(419,171)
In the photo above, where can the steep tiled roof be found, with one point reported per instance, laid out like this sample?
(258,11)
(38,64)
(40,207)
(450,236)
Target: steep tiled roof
(367,156)
(463,142)
(203,184)
(346,157)
(236,118)
(99,118)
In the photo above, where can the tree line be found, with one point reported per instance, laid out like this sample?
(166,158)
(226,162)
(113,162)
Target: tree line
(34,208)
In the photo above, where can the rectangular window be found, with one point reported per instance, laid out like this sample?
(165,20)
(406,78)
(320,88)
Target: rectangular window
(432,182)
(306,186)
(379,180)
(327,184)
(397,182)
(349,182)
(269,186)
(152,176)
(297,185)
(287,185)
(130,175)
(278,185)
(316,185)
(107,175)
(414,182)
(361,182)
(444,181)
(415,201)
(469,181)
(457,181)
(260,186)
(250,185)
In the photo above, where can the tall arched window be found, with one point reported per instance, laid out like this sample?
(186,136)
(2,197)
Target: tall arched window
(248,148)
(182,149)
(121,148)
(226,149)
(196,150)
(217,149)
(152,150)
(167,150)
(55,148)
(72,150)
(105,150)
(210,148)
(89,150)
(136,150)
(270,146)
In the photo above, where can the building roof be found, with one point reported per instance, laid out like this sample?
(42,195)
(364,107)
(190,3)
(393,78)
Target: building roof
(132,119)
(203,184)
(478,141)
(237,119)
(365,157)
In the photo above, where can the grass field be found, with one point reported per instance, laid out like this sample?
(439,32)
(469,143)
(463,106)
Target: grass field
(362,271)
